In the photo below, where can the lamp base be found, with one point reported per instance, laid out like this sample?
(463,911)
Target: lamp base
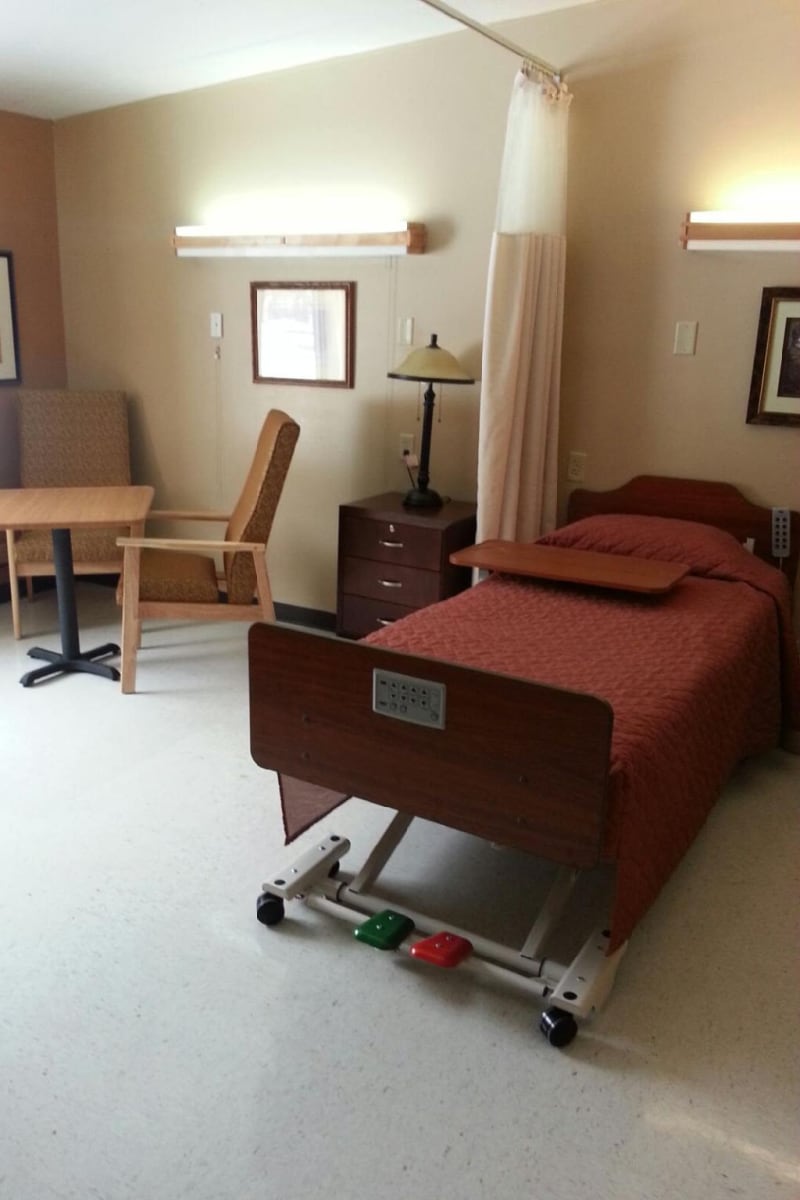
(422,498)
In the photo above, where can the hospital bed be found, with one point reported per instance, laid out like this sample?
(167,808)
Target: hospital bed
(582,723)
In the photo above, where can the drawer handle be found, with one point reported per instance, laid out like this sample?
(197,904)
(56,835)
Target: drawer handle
(392,583)
(391,545)
(386,620)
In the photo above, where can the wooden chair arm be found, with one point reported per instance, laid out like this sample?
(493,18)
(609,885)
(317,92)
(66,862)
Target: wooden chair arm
(180,514)
(194,545)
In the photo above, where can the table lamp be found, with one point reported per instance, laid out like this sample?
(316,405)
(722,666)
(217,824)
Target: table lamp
(430,365)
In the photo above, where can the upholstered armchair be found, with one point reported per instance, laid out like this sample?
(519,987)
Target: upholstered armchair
(178,577)
(68,439)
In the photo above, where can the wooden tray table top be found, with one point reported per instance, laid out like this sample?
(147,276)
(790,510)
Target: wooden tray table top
(588,567)
(67,507)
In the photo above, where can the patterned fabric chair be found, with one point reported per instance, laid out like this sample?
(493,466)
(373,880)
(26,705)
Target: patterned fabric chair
(177,577)
(68,439)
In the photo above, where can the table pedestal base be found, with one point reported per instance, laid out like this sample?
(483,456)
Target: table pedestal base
(71,658)
(62,664)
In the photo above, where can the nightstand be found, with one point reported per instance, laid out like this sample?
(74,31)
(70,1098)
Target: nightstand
(393,560)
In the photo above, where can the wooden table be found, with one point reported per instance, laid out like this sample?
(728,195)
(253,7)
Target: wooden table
(59,510)
(622,572)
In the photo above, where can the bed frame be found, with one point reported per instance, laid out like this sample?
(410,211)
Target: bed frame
(707,501)
(544,750)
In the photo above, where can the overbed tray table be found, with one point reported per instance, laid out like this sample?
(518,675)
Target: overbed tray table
(564,565)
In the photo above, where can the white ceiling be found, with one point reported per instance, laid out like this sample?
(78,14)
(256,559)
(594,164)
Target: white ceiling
(62,57)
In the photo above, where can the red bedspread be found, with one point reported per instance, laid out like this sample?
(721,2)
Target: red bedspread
(697,679)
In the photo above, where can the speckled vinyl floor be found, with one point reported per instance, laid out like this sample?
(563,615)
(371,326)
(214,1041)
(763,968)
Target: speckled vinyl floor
(158,1043)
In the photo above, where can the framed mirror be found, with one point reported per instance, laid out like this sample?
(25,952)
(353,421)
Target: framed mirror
(303,333)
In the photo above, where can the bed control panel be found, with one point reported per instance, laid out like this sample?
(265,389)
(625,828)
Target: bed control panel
(780,533)
(406,698)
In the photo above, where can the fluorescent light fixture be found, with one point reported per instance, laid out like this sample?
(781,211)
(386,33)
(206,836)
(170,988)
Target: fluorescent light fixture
(202,241)
(740,231)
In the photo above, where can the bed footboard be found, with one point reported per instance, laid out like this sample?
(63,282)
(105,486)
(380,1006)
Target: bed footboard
(516,762)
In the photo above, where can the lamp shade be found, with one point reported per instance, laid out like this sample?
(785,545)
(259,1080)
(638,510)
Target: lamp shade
(431,364)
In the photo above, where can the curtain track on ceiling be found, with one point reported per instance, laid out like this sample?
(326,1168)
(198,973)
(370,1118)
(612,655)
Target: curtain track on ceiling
(455,15)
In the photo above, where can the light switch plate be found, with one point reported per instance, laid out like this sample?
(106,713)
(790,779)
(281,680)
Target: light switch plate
(685,337)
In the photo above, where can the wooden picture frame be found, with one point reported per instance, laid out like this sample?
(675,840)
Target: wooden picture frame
(775,384)
(303,333)
(9,346)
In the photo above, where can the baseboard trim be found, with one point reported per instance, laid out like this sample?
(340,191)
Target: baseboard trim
(312,618)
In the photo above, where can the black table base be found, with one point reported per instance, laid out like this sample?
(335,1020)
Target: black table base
(70,659)
(59,663)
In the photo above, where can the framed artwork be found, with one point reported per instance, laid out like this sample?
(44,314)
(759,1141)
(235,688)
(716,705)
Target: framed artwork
(9,349)
(775,385)
(303,333)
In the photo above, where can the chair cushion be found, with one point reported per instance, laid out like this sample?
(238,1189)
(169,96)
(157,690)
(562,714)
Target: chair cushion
(73,439)
(88,545)
(172,576)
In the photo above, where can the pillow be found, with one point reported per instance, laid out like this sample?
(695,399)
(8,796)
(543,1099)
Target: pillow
(706,549)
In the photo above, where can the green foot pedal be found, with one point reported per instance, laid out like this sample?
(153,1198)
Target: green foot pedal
(385,930)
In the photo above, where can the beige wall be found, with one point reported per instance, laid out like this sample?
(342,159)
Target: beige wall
(28,229)
(707,102)
(673,103)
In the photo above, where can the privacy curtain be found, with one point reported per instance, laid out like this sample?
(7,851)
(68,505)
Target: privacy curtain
(518,437)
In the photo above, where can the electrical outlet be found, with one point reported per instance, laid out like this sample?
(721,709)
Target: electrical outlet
(406,444)
(576,466)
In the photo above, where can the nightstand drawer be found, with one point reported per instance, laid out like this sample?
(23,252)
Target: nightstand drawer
(387,581)
(360,616)
(390,541)
(394,560)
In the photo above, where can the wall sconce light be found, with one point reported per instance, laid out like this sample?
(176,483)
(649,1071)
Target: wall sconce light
(200,241)
(739,231)
(431,364)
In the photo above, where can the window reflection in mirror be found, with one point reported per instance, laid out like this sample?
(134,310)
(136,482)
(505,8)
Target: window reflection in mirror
(303,333)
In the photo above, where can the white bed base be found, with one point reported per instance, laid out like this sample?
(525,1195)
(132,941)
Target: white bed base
(578,988)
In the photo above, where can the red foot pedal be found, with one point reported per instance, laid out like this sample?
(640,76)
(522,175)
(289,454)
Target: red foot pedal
(385,930)
(442,949)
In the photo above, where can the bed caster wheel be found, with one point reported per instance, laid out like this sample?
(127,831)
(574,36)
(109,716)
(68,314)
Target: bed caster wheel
(558,1026)
(270,909)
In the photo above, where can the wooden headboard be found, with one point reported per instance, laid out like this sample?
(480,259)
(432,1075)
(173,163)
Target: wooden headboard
(712,503)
